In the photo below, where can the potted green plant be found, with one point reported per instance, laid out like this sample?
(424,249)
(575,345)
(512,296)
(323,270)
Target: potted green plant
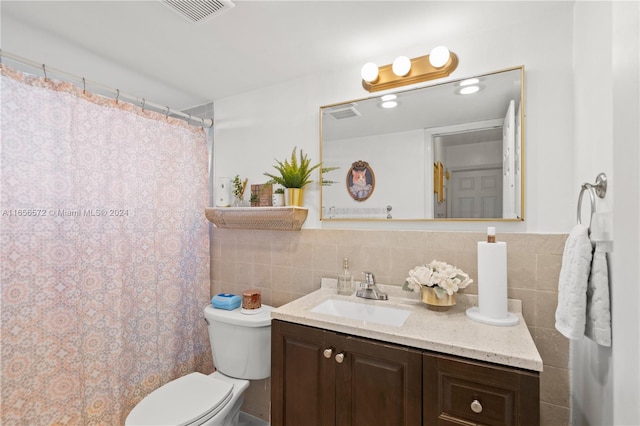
(239,186)
(294,174)
(277,199)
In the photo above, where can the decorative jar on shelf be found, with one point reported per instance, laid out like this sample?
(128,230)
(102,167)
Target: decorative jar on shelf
(240,202)
(277,198)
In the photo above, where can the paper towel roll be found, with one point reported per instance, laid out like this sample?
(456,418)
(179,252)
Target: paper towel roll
(223,192)
(492,279)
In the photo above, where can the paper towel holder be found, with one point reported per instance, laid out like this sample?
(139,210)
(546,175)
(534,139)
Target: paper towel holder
(474,314)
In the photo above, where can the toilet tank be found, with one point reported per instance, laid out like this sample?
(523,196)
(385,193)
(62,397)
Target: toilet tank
(240,342)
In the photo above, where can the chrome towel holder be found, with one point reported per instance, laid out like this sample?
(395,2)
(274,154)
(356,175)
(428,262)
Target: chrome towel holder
(598,189)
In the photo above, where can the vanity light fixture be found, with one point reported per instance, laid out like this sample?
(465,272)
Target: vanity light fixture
(437,64)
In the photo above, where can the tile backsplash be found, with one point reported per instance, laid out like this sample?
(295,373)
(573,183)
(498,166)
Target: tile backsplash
(286,265)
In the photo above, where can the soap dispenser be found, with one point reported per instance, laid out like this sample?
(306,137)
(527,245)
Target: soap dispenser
(345,279)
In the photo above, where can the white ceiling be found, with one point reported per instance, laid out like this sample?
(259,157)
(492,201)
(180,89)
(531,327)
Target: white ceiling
(254,44)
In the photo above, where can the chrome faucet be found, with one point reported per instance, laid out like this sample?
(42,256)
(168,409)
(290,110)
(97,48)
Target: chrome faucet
(369,290)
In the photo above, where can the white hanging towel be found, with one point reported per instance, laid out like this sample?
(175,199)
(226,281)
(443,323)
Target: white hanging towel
(572,285)
(598,326)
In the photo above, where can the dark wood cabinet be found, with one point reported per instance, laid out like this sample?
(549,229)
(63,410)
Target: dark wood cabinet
(465,392)
(302,379)
(319,377)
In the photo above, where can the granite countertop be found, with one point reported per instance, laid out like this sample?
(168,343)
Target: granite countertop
(447,332)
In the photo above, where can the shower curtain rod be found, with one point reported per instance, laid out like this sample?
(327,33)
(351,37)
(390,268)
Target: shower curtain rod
(108,91)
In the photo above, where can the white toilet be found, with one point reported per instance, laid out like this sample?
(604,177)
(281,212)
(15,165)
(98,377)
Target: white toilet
(241,347)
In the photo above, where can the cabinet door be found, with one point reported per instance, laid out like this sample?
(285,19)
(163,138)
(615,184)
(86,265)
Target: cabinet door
(378,384)
(302,378)
(464,392)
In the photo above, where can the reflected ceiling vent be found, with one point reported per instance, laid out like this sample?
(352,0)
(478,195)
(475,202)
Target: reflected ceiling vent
(342,111)
(199,10)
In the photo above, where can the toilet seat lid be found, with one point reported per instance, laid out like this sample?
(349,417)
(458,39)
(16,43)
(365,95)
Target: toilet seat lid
(182,401)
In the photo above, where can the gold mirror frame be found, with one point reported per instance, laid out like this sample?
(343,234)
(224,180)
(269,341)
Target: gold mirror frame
(441,174)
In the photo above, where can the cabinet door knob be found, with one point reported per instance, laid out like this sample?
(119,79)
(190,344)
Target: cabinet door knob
(476,407)
(327,353)
(340,358)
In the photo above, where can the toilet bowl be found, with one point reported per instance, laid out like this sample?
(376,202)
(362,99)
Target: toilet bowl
(241,347)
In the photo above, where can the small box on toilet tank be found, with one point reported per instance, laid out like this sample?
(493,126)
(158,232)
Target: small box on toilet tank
(226,301)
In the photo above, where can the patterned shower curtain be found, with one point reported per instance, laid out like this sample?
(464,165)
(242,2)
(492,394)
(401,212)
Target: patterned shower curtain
(104,250)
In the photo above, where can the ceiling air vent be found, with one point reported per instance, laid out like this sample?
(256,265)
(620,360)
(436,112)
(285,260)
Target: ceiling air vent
(199,10)
(342,111)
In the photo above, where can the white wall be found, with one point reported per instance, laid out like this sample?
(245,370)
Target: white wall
(253,128)
(399,183)
(39,45)
(605,382)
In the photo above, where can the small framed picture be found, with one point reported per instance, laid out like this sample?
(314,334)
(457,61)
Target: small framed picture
(360,181)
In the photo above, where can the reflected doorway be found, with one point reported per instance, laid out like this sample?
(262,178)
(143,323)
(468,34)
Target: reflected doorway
(473,181)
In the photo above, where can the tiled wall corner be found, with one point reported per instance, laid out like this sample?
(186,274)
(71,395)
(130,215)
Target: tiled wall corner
(286,265)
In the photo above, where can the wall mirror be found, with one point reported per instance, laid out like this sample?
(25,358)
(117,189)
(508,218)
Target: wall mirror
(449,151)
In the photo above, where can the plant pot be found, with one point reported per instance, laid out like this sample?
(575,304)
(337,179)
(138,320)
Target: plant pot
(277,200)
(240,202)
(438,298)
(295,197)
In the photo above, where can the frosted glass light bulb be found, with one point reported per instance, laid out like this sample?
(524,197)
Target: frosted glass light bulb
(401,66)
(439,56)
(369,72)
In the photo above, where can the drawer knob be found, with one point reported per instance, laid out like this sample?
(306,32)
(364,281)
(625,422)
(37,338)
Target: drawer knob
(340,358)
(327,353)
(476,407)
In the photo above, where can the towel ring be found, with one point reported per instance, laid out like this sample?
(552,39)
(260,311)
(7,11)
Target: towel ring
(599,189)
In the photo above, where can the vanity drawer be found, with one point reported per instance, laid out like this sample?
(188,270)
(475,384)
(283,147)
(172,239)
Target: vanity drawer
(462,392)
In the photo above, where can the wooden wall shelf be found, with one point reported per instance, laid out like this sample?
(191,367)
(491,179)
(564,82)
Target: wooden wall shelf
(267,218)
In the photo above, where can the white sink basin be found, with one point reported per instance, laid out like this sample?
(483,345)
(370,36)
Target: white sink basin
(363,312)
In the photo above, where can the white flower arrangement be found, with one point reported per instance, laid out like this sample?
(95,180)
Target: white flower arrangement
(437,274)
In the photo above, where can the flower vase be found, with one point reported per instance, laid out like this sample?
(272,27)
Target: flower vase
(437,298)
(239,202)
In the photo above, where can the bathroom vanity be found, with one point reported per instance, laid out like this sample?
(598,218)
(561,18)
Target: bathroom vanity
(339,367)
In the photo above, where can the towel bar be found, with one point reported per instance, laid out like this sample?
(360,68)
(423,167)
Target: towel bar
(599,189)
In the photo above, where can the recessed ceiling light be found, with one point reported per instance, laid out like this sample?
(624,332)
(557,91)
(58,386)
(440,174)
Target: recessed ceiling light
(469,82)
(469,90)
(389,104)
(386,98)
